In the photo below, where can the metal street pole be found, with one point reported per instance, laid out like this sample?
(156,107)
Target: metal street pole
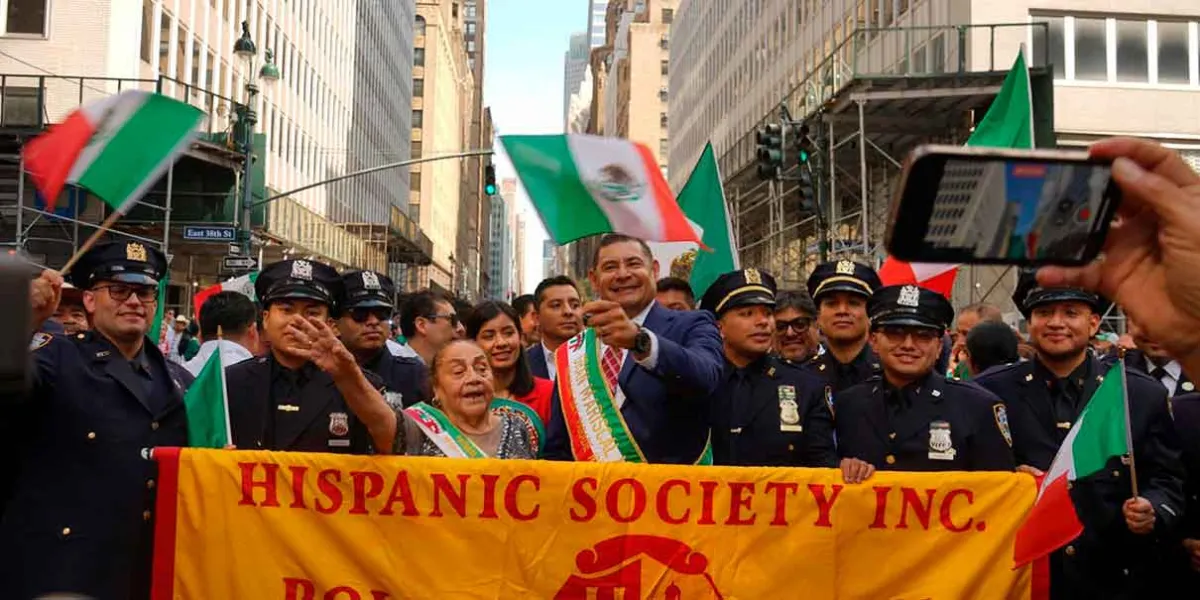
(395,165)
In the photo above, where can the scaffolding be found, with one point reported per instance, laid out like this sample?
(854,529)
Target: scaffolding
(876,96)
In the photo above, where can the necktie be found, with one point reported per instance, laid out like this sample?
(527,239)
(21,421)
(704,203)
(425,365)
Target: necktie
(611,363)
(1158,373)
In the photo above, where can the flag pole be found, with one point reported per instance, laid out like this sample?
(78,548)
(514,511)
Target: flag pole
(91,241)
(1128,425)
(224,388)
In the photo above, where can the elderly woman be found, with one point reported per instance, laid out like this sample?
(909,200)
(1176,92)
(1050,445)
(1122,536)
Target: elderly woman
(466,420)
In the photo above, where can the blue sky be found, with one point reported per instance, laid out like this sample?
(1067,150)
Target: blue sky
(523,84)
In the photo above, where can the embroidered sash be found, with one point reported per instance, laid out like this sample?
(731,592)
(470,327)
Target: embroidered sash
(526,416)
(438,428)
(597,429)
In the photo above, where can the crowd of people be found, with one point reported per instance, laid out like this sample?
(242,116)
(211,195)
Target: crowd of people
(846,373)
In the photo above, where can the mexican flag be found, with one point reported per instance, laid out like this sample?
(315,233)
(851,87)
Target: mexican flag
(207,404)
(116,147)
(1007,124)
(243,285)
(160,311)
(1100,434)
(583,185)
(703,201)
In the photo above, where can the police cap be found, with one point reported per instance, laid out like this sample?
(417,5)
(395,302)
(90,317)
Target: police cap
(842,276)
(739,288)
(367,289)
(909,306)
(298,279)
(123,262)
(1029,294)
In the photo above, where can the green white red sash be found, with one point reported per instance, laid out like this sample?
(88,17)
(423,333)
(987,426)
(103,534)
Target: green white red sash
(438,428)
(597,429)
(527,416)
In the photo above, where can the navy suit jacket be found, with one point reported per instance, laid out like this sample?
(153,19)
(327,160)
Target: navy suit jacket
(666,409)
(536,355)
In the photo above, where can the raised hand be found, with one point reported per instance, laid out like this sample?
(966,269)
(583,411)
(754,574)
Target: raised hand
(317,343)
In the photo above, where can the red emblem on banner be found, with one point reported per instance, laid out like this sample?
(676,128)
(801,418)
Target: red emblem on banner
(619,564)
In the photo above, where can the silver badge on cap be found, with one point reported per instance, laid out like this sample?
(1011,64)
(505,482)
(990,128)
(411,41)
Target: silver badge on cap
(302,269)
(370,280)
(910,296)
(845,267)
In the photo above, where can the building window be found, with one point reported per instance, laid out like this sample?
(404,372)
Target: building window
(1052,49)
(414,185)
(668,15)
(20,106)
(419,28)
(1173,44)
(419,57)
(665,65)
(1091,59)
(1128,41)
(147,31)
(418,88)
(662,120)
(1133,63)
(454,10)
(471,28)
(25,17)
(416,149)
(418,119)
(471,46)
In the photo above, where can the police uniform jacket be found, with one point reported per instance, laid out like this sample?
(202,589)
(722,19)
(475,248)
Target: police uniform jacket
(80,518)
(771,413)
(275,408)
(407,379)
(841,376)
(1107,560)
(934,425)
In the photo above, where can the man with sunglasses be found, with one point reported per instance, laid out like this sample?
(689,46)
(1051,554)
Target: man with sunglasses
(363,327)
(913,418)
(308,394)
(795,336)
(80,516)
(429,321)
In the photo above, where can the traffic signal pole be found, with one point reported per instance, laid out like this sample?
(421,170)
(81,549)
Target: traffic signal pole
(773,158)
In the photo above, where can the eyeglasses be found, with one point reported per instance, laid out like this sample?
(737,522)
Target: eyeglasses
(897,335)
(453,318)
(121,292)
(799,325)
(362,315)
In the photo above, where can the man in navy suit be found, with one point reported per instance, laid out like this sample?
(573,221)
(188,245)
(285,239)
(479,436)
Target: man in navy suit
(657,369)
(556,306)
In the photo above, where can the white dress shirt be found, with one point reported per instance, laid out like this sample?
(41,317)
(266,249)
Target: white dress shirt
(1171,379)
(551,367)
(402,350)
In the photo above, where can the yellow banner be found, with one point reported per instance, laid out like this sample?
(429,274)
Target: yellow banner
(262,525)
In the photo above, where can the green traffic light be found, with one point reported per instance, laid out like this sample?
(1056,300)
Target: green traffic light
(489,189)
(803,156)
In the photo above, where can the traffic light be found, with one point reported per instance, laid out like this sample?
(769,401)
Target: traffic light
(770,150)
(489,180)
(808,191)
(804,146)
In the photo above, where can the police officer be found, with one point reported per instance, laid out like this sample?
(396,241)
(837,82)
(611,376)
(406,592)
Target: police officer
(841,290)
(1184,558)
(1112,558)
(80,516)
(765,412)
(363,325)
(308,394)
(912,418)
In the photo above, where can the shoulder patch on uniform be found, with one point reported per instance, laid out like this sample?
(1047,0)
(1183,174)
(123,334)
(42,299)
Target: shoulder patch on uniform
(39,340)
(1001,413)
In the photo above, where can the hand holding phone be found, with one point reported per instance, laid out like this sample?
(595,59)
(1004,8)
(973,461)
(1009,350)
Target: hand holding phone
(998,206)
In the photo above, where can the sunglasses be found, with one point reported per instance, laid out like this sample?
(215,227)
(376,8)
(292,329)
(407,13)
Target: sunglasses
(121,292)
(453,318)
(798,325)
(362,315)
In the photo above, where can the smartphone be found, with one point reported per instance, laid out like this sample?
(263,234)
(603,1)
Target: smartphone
(15,276)
(997,206)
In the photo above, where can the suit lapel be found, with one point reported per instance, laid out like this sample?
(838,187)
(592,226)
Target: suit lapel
(311,408)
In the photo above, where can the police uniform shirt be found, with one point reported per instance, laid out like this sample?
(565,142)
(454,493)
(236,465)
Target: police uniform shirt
(272,407)
(771,413)
(841,376)
(932,425)
(80,513)
(406,379)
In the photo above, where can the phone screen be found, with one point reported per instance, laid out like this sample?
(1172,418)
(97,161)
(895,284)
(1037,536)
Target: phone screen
(1015,211)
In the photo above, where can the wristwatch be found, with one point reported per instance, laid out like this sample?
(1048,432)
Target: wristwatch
(641,342)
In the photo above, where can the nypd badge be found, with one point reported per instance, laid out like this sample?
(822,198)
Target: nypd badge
(753,277)
(941,445)
(302,269)
(135,251)
(789,411)
(845,267)
(1002,422)
(370,280)
(339,424)
(910,296)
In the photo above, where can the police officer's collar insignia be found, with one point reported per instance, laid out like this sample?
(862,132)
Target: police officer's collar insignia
(1002,422)
(1187,386)
(302,269)
(941,444)
(339,424)
(910,296)
(370,281)
(845,267)
(936,393)
(39,340)
(135,251)
(789,411)
(1029,377)
(771,372)
(753,277)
